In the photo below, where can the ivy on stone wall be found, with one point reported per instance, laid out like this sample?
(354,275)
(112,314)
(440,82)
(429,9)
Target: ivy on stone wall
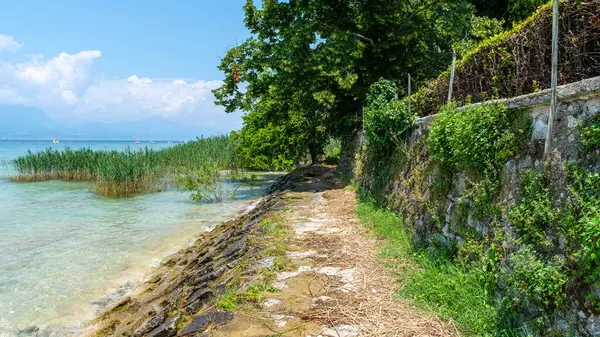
(533,213)
(478,138)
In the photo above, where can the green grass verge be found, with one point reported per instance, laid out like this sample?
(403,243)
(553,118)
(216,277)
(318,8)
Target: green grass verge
(431,280)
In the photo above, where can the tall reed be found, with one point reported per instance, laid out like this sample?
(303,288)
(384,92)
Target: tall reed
(124,173)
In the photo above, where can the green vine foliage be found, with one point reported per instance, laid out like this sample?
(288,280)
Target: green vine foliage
(589,254)
(533,213)
(585,229)
(590,137)
(541,282)
(386,119)
(477,138)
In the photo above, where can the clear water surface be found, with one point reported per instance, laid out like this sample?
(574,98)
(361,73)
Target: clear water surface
(64,250)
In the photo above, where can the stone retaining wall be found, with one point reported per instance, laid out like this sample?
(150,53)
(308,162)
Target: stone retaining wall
(408,193)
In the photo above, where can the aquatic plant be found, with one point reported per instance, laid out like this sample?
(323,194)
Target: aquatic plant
(129,172)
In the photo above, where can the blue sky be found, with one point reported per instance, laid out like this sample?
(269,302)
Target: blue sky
(115,61)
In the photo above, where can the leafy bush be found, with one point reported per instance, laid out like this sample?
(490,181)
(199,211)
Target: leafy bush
(590,136)
(534,212)
(381,93)
(477,138)
(585,229)
(589,254)
(541,282)
(202,181)
(267,147)
(386,119)
(333,151)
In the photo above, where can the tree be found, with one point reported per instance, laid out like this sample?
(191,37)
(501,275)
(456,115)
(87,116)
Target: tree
(304,74)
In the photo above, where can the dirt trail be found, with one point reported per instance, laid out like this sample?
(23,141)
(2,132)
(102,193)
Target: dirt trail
(334,284)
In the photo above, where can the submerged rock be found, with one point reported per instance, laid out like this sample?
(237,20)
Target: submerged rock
(29,331)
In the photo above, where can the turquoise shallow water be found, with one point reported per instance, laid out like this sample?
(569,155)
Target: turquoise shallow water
(64,249)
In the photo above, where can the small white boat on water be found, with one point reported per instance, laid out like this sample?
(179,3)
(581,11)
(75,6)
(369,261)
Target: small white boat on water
(137,141)
(169,142)
(185,141)
(55,141)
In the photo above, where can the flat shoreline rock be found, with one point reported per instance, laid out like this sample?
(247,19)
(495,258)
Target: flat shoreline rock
(167,304)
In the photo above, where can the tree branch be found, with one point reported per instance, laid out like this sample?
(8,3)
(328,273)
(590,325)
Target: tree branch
(364,38)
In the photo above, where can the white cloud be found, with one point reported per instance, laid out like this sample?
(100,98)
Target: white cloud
(65,87)
(8,43)
(143,97)
(65,70)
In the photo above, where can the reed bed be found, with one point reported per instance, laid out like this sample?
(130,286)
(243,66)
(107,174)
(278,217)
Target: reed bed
(124,173)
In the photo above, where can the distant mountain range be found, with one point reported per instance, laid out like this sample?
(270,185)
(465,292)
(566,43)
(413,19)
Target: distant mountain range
(18,122)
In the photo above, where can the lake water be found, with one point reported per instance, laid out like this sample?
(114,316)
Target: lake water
(64,250)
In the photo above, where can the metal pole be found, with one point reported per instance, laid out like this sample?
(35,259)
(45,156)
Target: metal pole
(409,94)
(554,81)
(452,77)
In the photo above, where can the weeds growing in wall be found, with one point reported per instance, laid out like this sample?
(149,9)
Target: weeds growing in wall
(477,139)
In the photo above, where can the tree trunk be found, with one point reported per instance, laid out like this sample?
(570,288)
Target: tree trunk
(312,148)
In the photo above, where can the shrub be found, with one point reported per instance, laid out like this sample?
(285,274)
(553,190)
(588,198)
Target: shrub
(386,125)
(534,212)
(539,281)
(333,151)
(584,225)
(590,137)
(588,255)
(202,181)
(381,93)
(386,119)
(477,138)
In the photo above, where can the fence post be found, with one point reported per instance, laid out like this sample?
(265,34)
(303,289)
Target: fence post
(409,93)
(363,118)
(452,77)
(554,80)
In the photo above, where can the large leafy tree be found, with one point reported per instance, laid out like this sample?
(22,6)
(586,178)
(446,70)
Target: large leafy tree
(304,74)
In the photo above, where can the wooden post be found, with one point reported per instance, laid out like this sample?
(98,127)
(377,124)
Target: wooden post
(363,118)
(452,77)
(554,80)
(409,94)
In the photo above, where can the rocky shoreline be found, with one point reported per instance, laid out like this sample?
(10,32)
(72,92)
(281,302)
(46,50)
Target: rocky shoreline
(188,281)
